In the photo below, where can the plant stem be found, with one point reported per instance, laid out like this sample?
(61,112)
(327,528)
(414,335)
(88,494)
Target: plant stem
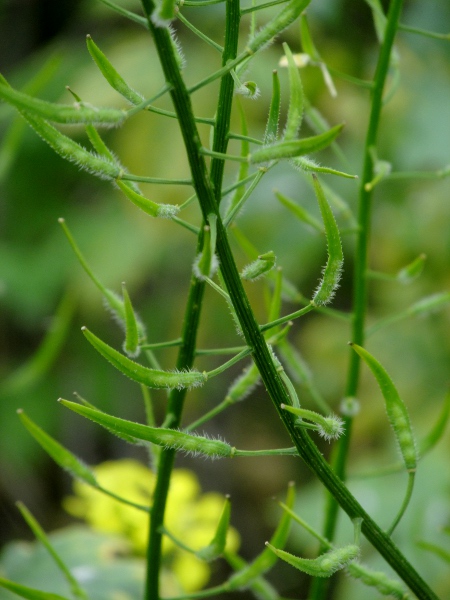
(360,279)
(192,314)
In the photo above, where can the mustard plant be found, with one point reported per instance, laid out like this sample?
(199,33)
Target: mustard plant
(274,359)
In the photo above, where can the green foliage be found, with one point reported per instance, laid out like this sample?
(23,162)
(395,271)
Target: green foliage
(165,130)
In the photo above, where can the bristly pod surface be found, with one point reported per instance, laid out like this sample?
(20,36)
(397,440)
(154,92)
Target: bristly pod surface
(395,408)
(131,345)
(378,580)
(330,428)
(151,378)
(262,265)
(154,209)
(333,268)
(271,133)
(322,566)
(61,113)
(295,110)
(166,438)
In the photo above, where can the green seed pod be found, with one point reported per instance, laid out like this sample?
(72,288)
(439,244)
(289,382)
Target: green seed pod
(307,164)
(27,592)
(413,270)
(244,384)
(73,152)
(115,80)
(152,378)
(295,110)
(148,206)
(295,147)
(275,26)
(395,408)
(322,566)
(330,428)
(61,113)
(131,344)
(271,133)
(217,545)
(300,212)
(333,269)
(378,580)
(206,263)
(262,265)
(167,438)
(60,455)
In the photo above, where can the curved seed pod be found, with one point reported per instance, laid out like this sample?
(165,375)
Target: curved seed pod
(296,147)
(148,206)
(61,113)
(206,263)
(167,438)
(295,110)
(307,164)
(71,151)
(378,580)
(413,270)
(217,545)
(300,212)
(276,25)
(115,80)
(330,428)
(60,455)
(244,384)
(322,566)
(152,378)
(131,344)
(333,268)
(395,408)
(271,133)
(265,561)
(262,265)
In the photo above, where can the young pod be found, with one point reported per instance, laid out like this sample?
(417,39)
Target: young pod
(333,269)
(330,428)
(148,206)
(131,344)
(206,263)
(262,265)
(295,110)
(244,384)
(271,133)
(61,113)
(217,545)
(166,438)
(152,378)
(322,566)
(295,147)
(378,580)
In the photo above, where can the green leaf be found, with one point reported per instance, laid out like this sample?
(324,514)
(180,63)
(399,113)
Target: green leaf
(152,378)
(296,147)
(60,455)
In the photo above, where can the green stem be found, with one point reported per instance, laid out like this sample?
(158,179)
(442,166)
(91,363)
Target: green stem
(339,457)
(181,100)
(254,338)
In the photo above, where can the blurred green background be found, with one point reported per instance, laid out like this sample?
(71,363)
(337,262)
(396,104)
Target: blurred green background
(43,42)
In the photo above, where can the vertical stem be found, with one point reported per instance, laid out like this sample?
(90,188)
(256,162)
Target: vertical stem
(193,307)
(339,459)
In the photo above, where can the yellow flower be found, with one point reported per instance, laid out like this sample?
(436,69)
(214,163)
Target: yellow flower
(190,516)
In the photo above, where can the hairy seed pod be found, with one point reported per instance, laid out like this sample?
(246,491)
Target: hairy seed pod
(322,566)
(148,206)
(378,580)
(152,378)
(61,113)
(295,110)
(333,269)
(262,265)
(167,438)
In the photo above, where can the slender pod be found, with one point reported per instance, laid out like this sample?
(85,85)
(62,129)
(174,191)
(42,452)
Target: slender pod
(378,580)
(206,263)
(295,110)
(275,26)
(330,428)
(114,79)
(395,408)
(333,269)
(271,132)
(262,265)
(216,547)
(152,378)
(73,152)
(154,209)
(166,438)
(322,566)
(295,147)
(60,455)
(62,113)
(244,384)
(131,344)
(27,592)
